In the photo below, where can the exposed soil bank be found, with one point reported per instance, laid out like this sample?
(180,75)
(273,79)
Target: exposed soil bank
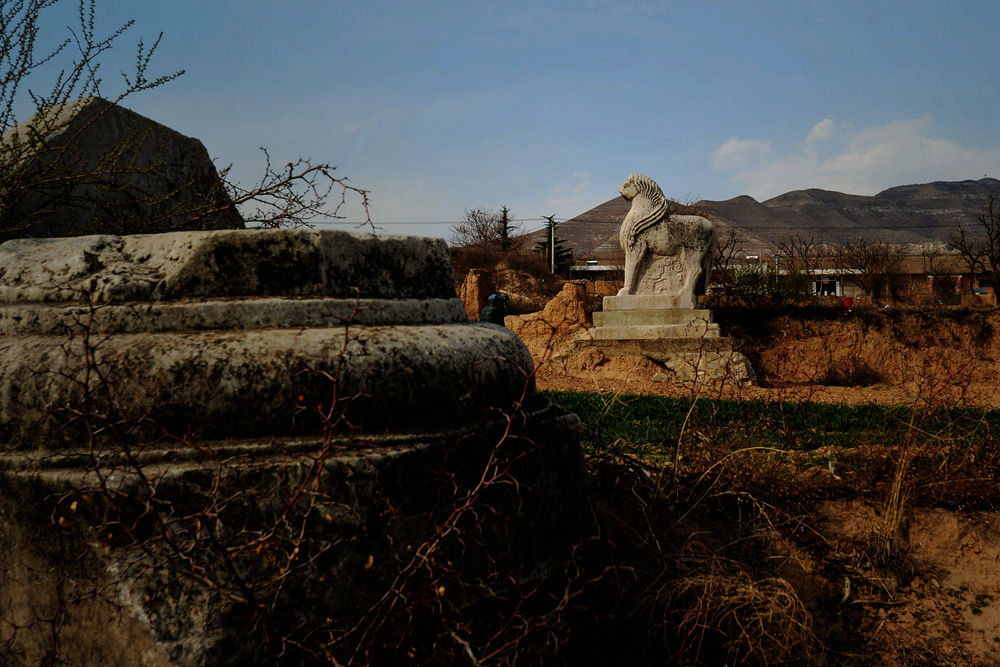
(945,356)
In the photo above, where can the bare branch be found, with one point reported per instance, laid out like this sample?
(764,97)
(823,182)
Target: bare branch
(979,242)
(488,230)
(298,196)
(872,265)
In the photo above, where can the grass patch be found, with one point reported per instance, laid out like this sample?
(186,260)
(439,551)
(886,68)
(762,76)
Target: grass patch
(652,423)
(955,451)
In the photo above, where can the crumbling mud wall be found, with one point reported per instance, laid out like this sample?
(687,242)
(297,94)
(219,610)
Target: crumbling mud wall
(865,346)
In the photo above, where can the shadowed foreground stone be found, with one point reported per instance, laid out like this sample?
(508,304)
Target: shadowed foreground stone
(90,166)
(221,446)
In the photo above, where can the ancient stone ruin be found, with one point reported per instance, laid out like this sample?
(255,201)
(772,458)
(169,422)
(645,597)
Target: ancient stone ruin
(668,260)
(90,166)
(218,447)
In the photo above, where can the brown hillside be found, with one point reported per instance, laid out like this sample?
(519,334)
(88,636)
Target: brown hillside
(922,213)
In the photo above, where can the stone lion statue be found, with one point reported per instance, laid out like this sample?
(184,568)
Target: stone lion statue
(664,254)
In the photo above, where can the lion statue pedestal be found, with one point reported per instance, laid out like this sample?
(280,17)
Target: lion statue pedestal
(648,316)
(668,259)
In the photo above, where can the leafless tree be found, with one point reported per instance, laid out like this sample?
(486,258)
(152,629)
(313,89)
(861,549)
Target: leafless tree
(942,269)
(687,205)
(979,242)
(800,257)
(870,264)
(488,230)
(799,253)
(730,241)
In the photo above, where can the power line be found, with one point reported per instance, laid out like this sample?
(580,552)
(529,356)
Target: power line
(816,226)
(417,222)
(744,226)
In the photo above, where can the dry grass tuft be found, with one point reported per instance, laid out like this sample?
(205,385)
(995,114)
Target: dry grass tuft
(726,615)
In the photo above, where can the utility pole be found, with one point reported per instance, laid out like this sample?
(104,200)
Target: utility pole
(552,241)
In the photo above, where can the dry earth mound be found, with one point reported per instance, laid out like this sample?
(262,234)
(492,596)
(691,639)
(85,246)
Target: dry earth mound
(527,292)
(552,332)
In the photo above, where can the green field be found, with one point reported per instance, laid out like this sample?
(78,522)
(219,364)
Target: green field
(656,423)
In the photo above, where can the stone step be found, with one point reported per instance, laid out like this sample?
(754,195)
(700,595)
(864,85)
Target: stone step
(653,331)
(646,302)
(651,317)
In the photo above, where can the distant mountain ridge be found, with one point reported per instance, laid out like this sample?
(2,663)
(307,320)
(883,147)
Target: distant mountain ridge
(907,214)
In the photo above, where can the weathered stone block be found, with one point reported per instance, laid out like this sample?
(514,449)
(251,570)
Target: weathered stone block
(648,302)
(642,317)
(95,167)
(694,330)
(242,443)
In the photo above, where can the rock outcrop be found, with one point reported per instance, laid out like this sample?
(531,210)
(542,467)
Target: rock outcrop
(475,292)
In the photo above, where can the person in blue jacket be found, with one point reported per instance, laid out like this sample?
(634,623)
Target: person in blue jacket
(495,310)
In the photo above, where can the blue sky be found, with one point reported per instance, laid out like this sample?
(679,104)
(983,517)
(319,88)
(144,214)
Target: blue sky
(438,107)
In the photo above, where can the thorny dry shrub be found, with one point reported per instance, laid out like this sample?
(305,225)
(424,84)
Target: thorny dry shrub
(725,616)
(739,500)
(697,521)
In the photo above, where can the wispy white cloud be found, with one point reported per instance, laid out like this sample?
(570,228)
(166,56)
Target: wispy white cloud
(860,162)
(821,131)
(738,153)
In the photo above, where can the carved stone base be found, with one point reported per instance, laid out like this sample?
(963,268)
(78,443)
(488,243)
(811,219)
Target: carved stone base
(684,342)
(250,447)
(379,498)
(650,317)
